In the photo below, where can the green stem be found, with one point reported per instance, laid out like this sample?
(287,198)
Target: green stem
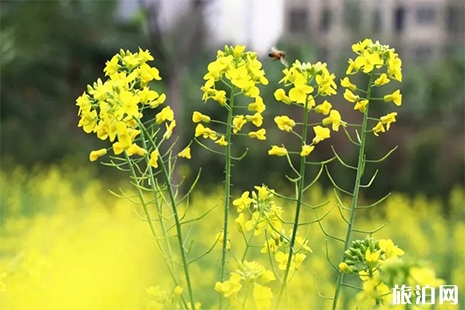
(178,231)
(298,208)
(177,221)
(149,220)
(159,207)
(358,178)
(227,189)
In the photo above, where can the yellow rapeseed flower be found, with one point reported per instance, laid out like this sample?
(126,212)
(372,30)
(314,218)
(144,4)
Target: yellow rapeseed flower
(186,153)
(345,82)
(257,106)
(388,119)
(361,105)
(166,114)
(153,161)
(378,128)
(284,123)
(278,151)
(243,202)
(382,80)
(260,134)
(323,108)
(306,150)
(198,117)
(396,97)
(350,96)
(320,134)
(256,119)
(334,118)
(300,90)
(94,155)
(238,122)
(222,141)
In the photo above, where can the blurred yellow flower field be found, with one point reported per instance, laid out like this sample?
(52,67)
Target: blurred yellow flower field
(67,243)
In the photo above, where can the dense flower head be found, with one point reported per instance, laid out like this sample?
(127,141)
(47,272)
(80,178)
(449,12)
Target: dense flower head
(240,72)
(307,83)
(264,213)
(366,256)
(242,69)
(383,64)
(112,108)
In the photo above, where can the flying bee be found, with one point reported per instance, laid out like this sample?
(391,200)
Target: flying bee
(278,55)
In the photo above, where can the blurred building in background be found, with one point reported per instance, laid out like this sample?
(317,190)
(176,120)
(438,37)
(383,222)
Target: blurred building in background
(424,30)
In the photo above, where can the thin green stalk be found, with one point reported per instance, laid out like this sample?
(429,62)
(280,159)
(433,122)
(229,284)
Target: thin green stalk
(159,208)
(227,189)
(177,222)
(297,211)
(358,178)
(147,214)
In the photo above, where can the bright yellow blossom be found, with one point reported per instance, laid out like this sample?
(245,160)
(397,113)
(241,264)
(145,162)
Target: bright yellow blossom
(238,122)
(389,249)
(323,108)
(169,129)
(256,119)
(361,105)
(257,106)
(278,151)
(345,82)
(206,132)
(369,60)
(396,97)
(382,80)
(260,134)
(284,123)
(135,149)
(186,153)
(166,114)
(300,90)
(94,155)
(378,128)
(153,161)
(243,202)
(280,95)
(334,118)
(350,96)
(320,134)
(198,117)
(388,119)
(222,141)
(306,150)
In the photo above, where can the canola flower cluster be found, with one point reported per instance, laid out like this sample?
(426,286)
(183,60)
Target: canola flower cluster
(301,76)
(259,216)
(379,267)
(373,56)
(113,109)
(241,72)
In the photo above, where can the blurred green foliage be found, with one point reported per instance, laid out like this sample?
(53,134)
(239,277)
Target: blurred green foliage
(51,50)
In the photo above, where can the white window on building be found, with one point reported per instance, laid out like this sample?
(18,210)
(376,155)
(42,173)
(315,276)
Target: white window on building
(399,19)
(377,21)
(426,15)
(325,20)
(298,20)
(455,16)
